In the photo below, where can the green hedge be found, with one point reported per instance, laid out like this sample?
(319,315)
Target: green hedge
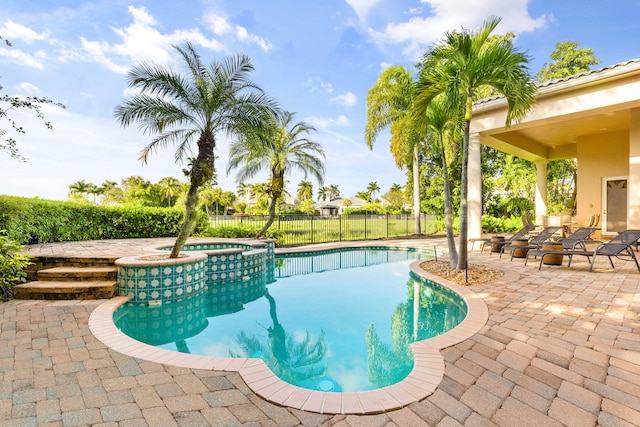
(30,221)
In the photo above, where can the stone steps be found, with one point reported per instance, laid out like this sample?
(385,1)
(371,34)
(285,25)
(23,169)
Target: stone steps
(56,290)
(80,280)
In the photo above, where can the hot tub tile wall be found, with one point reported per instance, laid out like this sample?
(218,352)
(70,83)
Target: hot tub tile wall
(226,262)
(161,283)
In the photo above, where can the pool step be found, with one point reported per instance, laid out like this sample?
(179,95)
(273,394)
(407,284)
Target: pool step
(58,290)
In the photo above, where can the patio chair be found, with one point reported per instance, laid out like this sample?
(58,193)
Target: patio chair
(619,247)
(575,241)
(534,243)
(486,241)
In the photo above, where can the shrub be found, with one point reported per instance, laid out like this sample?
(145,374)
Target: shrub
(12,265)
(242,231)
(30,221)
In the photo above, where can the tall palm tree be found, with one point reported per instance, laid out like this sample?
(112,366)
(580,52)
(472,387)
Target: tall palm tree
(169,187)
(372,189)
(441,127)
(457,67)
(333,191)
(305,190)
(79,188)
(389,103)
(278,147)
(194,109)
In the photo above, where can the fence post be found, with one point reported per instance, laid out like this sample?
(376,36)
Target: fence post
(340,226)
(387,226)
(365,226)
(407,224)
(312,216)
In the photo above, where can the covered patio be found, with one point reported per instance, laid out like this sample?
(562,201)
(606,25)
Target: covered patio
(593,117)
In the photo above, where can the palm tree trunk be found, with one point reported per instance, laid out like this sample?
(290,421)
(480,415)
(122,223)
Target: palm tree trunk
(272,214)
(464,189)
(448,211)
(416,189)
(190,217)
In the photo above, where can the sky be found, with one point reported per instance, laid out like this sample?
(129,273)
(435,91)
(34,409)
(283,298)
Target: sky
(317,58)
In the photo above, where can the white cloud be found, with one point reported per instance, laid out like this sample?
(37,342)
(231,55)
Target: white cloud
(347,99)
(223,28)
(17,32)
(16,56)
(27,88)
(326,122)
(419,32)
(315,83)
(362,7)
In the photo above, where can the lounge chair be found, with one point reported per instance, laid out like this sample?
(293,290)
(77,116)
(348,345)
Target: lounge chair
(534,243)
(619,247)
(520,234)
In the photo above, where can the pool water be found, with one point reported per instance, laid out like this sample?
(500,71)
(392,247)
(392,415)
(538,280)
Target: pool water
(332,321)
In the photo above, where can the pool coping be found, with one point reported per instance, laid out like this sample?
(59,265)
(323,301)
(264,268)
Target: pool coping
(422,381)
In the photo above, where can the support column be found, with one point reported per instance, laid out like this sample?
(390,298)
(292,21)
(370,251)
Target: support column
(474,196)
(633,211)
(541,192)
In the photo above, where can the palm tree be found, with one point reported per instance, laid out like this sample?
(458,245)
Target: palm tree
(194,109)
(441,125)
(460,65)
(372,189)
(305,190)
(79,188)
(333,191)
(323,193)
(389,104)
(169,187)
(278,147)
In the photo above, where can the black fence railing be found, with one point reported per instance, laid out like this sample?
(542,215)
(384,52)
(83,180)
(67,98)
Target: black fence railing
(304,229)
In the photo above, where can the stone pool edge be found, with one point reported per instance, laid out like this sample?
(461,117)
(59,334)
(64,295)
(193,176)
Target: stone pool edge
(421,382)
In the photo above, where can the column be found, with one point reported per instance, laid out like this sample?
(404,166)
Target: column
(633,213)
(474,196)
(541,192)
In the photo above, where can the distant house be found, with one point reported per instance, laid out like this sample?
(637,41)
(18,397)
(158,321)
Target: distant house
(290,202)
(336,206)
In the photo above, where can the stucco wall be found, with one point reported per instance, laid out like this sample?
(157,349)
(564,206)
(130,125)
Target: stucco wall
(599,156)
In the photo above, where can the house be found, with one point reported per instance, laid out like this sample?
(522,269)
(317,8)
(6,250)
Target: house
(336,206)
(593,117)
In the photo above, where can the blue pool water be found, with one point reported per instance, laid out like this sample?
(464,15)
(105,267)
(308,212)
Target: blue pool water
(332,321)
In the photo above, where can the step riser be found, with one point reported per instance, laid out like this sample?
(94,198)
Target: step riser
(66,290)
(77,276)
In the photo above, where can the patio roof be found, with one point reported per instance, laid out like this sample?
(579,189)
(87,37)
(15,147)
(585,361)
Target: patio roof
(590,103)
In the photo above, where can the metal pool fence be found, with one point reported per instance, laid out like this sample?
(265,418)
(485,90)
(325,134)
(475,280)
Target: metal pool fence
(303,229)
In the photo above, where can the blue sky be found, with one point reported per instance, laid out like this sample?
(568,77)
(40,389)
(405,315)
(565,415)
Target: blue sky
(317,58)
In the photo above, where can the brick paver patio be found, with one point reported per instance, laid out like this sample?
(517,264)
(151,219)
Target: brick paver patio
(561,347)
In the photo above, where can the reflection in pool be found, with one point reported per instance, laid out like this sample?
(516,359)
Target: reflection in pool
(332,321)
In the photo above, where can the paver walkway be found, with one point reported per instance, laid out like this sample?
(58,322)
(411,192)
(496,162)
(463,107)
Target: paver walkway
(561,347)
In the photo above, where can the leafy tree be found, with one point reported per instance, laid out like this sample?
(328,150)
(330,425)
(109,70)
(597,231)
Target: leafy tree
(278,147)
(395,197)
(8,103)
(364,195)
(307,207)
(568,60)
(194,109)
(111,192)
(456,68)
(389,103)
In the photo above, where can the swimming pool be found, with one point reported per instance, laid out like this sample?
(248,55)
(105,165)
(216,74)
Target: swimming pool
(333,321)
